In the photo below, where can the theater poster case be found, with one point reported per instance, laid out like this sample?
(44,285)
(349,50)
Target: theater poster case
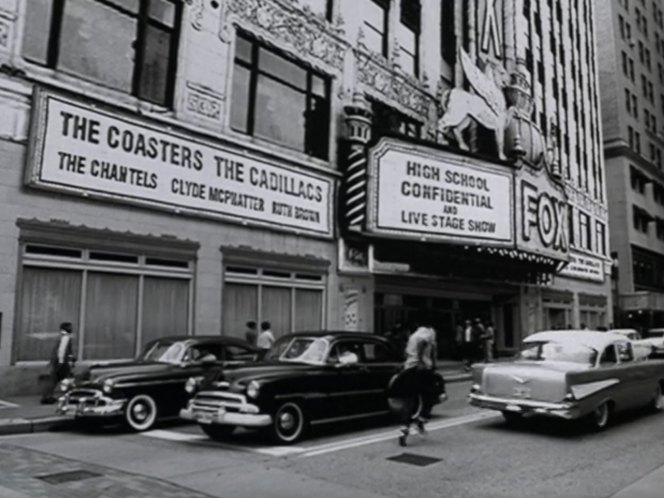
(81,149)
(418,192)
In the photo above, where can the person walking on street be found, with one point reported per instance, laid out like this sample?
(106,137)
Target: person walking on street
(418,377)
(251,335)
(61,361)
(265,338)
(468,344)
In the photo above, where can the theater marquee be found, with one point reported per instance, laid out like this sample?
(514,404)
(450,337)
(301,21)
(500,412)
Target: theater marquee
(78,148)
(418,192)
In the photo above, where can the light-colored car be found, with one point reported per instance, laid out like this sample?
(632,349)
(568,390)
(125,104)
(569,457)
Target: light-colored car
(643,348)
(655,337)
(570,375)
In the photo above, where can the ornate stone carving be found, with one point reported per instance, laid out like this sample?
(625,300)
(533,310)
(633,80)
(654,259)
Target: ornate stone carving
(203,103)
(487,106)
(4,34)
(300,28)
(375,72)
(197,9)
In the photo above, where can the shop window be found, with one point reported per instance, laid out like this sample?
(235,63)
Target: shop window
(387,120)
(127,45)
(408,36)
(99,292)
(279,100)
(375,25)
(289,302)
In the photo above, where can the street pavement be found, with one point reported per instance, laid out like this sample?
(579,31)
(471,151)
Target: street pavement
(467,454)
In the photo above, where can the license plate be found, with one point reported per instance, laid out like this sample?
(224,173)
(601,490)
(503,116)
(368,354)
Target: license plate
(522,392)
(204,418)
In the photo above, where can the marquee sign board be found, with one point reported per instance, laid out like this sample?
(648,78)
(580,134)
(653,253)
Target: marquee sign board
(420,192)
(77,148)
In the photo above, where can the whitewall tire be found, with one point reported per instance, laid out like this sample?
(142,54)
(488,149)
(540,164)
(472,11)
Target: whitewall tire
(141,413)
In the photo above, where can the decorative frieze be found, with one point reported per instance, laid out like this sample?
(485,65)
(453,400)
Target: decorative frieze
(375,72)
(305,32)
(204,103)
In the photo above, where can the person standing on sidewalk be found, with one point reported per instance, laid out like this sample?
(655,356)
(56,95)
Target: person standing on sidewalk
(265,338)
(418,378)
(251,334)
(488,339)
(62,360)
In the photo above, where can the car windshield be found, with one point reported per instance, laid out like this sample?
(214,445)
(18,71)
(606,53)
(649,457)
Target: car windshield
(163,352)
(299,349)
(558,351)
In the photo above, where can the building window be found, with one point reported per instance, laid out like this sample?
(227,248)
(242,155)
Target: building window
(117,301)
(389,121)
(375,25)
(637,180)
(290,300)
(640,219)
(585,240)
(571,226)
(447,35)
(660,228)
(600,238)
(135,52)
(408,36)
(279,100)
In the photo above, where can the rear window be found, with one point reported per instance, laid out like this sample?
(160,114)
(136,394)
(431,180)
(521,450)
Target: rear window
(558,351)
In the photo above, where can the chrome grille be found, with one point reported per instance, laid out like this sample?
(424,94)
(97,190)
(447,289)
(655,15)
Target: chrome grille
(87,397)
(211,401)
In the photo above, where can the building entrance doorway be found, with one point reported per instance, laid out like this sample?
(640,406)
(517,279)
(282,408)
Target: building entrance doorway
(447,316)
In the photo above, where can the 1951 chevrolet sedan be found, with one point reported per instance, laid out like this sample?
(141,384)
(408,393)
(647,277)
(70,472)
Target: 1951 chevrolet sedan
(305,379)
(151,386)
(570,375)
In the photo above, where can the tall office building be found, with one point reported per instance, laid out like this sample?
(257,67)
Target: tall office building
(631,59)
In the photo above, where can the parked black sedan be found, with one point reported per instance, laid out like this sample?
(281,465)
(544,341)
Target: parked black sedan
(305,379)
(153,385)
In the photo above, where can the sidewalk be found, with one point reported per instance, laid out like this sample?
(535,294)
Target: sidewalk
(24,414)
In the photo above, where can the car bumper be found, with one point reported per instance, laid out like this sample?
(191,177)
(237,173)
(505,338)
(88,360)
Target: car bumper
(223,417)
(98,406)
(568,411)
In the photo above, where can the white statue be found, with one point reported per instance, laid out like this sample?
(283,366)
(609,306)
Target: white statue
(487,105)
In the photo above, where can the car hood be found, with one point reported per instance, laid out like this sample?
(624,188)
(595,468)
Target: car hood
(122,371)
(262,371)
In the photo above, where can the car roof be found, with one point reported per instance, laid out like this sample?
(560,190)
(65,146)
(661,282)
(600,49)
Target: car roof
(594,339)
(624,331)
(224,339)
(334,334)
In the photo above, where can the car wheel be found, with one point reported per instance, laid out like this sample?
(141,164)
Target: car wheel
(141,413)
(657,401)
(512,418)
(600,416)
(217,432)
(289,423)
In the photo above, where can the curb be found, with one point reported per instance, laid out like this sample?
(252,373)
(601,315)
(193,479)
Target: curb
(10,426)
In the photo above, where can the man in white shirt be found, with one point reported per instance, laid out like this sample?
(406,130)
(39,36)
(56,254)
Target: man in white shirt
(266,337)
(419,368)
(62,357)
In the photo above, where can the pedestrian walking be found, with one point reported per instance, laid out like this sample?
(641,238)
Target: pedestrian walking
(251,334)
(265,338)
(468,346)
(61,361)
(417,381)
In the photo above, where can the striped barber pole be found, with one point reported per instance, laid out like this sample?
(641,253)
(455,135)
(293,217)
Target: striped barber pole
(358,119)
